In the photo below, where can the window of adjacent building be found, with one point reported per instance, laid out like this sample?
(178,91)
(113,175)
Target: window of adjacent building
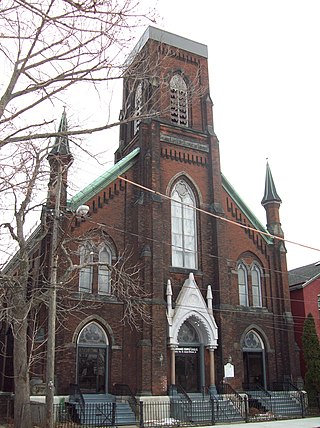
(183,226)
(243,285)
(137,107)
(104,283)
(256,286)
(178,100)
(85,274)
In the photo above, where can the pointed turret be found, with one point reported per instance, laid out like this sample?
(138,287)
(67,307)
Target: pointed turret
(61,144)
(270,192)
(271,201)
(60,159)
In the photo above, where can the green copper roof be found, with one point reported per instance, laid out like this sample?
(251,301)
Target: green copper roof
(246,211)
(104,180)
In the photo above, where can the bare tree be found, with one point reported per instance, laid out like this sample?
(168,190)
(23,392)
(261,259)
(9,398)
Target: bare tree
(26,280)
(47,47)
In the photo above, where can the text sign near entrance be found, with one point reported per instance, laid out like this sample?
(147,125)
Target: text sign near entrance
(186,350)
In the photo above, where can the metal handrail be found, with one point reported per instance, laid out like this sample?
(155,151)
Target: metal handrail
(265,395)
(181,390)
(76,396)
(289,386)
(234,396)
(124,390)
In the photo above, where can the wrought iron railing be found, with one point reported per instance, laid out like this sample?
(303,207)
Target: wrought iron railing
(290,391)
(259,402)
(124,390)
(93,414)
(237,400)
(76,397)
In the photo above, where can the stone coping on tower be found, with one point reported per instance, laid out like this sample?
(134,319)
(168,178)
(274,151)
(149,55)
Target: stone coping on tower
(171,39)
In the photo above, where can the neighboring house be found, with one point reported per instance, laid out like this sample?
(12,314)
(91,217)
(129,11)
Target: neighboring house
(304,285)
(217,294)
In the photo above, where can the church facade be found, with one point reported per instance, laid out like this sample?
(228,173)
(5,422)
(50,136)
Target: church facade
(208,296)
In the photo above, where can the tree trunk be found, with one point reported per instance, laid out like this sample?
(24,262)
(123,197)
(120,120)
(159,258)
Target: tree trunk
(22,411)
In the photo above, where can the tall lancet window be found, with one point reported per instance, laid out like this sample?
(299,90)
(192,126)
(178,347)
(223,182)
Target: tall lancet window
(183,226)
(137,107)
(243,285)
(178,100)
(104,277)
(256,286)
(85,274)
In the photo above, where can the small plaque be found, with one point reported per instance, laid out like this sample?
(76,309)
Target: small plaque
(228,370)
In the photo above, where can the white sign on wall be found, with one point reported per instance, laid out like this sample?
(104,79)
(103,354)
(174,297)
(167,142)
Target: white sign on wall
(228,370)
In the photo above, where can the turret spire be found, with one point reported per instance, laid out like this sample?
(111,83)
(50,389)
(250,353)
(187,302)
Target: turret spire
(271,202)
(270,192)
(61,144)
(60,159)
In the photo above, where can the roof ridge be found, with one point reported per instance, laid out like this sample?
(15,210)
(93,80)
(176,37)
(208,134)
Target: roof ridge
(103,180)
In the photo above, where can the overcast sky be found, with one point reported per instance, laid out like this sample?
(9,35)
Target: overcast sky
(264,67)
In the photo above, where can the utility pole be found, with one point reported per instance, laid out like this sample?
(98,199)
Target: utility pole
(51,342)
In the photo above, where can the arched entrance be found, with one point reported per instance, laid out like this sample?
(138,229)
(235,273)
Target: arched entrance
(254,360)
(92,359)
(189,358)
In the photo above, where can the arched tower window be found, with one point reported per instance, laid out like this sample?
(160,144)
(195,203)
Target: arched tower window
(183,226)
(243,285)
(104,279)
(137,107)
(85,274)
(178,100)
(256,286)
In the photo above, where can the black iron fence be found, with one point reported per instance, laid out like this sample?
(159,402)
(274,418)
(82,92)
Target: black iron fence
(165,414)
(177,413)
(6,406)
(71,415)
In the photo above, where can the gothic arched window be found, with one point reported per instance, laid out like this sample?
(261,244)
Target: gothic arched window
(243,285)
(92,334)
(183,226)
(252,341)
(85,274)
(256,286)
(104,279)
(95,268)
(178,100)
(137,107)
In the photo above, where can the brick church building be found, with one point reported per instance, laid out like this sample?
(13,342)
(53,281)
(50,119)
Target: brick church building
(212,299)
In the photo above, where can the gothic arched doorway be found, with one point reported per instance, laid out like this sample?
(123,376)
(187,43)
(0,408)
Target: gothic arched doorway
(253,360)
(190,357)
(92,359)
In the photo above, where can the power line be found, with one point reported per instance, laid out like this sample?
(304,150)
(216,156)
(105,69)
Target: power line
(243,226)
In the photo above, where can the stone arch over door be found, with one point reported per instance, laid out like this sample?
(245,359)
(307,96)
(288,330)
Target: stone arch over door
(92,359)
(191,330)
(254,359)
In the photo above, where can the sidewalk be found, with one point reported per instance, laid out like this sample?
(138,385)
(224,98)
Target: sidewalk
(287,423)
